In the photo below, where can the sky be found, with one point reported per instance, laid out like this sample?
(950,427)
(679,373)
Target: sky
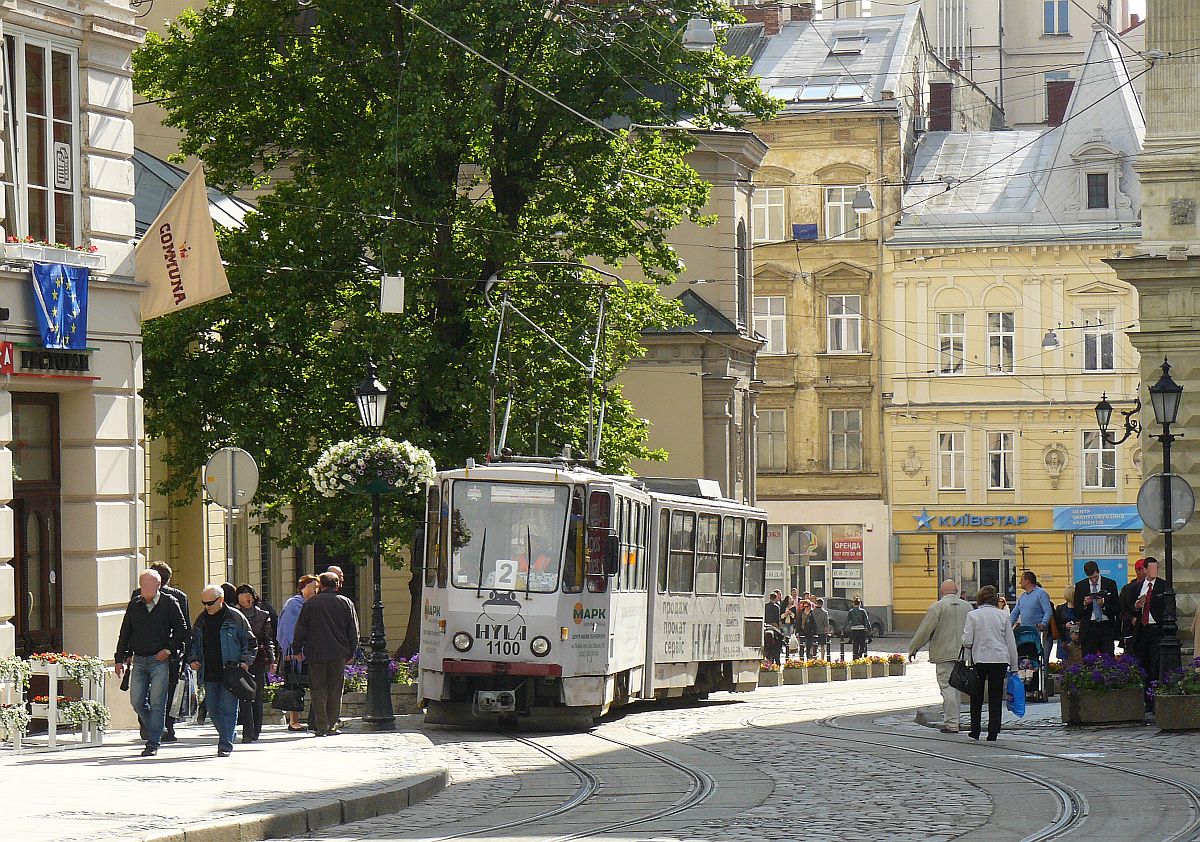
(1138,7)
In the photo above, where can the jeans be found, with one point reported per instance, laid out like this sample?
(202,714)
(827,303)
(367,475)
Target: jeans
(148,683)
(950,697)
(859,640)
(993,676)
(327,679)
(250,713)
(222,710)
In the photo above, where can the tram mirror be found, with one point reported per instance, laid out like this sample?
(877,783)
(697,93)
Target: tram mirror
(612,555)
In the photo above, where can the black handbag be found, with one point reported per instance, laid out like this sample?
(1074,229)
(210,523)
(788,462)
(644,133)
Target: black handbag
(288,699)
(963,678)
(239,682)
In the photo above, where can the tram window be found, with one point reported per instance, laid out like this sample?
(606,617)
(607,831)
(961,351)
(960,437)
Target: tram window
(443,568)
(664,546)
(629,560)
(756,558)
(433,523)
(683,552)
(639,539)
(572,578)
(731,555)
(707,544)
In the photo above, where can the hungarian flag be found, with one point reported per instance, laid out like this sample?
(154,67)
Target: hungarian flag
(178,257)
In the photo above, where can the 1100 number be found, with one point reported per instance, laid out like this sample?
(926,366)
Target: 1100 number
(503,647)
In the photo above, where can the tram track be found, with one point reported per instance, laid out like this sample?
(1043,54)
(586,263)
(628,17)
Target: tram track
(699,787)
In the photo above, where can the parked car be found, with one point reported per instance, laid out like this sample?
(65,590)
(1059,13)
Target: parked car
(838,607)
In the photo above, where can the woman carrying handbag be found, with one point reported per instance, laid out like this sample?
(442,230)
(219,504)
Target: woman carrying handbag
(988,638)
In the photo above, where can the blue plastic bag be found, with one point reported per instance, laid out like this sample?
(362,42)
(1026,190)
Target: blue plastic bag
(1014,694)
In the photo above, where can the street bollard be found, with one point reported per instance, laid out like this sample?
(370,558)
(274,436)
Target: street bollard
(842,652)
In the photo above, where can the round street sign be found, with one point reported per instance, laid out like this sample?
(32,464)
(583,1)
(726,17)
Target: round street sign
(231,477)
(1150,501)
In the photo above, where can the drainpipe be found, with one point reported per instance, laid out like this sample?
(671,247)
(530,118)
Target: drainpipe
(883,463)
(1000,53)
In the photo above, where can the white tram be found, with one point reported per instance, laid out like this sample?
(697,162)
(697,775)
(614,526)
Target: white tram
(555,593)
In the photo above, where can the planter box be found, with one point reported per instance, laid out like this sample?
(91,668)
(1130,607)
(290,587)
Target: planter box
(793,676)
(839,673)
(860,670)
(879,670)
(1103,707)
(897,669)
(29,252)
(1177,713)
(816,675)
(769,678)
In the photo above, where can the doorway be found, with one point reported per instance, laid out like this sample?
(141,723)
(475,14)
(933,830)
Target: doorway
(37,517)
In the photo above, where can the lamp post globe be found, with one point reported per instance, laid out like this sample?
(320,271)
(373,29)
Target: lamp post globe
(371,397)
(1165,396)
(1104,411)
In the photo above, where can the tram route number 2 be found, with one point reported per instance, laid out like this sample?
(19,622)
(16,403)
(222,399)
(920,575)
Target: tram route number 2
(503,647)
(506,574)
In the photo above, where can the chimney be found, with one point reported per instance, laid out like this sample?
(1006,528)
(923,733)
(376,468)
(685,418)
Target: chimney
(956,64)
(1134,20)
(802,11)
(769,15)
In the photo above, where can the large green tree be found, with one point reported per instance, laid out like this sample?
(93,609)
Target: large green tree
(441,139)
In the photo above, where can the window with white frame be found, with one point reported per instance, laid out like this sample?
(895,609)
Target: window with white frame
(1098,340)
(41,166)
(952,461)
(1002,337)
(772,439)
(1000,461)
(770,319)
(845,440)
(844,324)
(769,217)
(952,338)
(1055,17)
(841,220)
(1099,461)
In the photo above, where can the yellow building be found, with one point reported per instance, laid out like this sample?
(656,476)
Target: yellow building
(856,100)
(1005,327)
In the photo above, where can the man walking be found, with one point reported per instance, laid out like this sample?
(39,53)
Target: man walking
(1033,608)
(176,664)
(327,633)
(152,633)
(222,638)
(821,624)
(1129,613)
(1097,604)
(942,629)
(858,623)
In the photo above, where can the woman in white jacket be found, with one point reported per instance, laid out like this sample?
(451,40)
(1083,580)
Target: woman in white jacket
(988,637)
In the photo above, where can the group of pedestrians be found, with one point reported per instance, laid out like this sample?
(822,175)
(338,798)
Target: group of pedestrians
(1094,616)
(803,616)
(231,647)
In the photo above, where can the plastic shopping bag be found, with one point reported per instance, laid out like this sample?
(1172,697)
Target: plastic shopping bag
(1014,695)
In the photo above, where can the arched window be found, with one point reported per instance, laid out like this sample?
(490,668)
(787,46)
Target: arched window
(743,272)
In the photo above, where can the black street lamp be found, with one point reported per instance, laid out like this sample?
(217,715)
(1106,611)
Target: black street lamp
(371,397)
(1165,397)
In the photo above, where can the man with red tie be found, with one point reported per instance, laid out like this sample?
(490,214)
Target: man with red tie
(1097,604)
(1148,615)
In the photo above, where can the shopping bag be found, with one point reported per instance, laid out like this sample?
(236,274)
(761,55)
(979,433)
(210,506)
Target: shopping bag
(1014,694)
(963,678)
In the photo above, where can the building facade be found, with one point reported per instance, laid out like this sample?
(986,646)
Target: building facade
(1007,327)
(856,95)
(72,472)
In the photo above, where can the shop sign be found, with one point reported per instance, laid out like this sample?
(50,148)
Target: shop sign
(966,520)
(26,360)
(1103,518)
(848,550)
(848,584)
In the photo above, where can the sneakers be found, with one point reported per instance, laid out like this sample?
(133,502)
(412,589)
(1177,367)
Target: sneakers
(149,751)
(221,752)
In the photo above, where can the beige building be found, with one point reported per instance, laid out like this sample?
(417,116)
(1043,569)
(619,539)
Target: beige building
(71,443)
(857,95)
(1006,329)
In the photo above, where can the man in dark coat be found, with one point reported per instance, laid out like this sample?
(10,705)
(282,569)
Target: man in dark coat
(1149,610)
(1097,604)
(327,633)
(1129,595)
(175,667)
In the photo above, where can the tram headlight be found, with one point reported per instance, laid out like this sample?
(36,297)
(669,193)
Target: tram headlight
(540,646)
(462,641)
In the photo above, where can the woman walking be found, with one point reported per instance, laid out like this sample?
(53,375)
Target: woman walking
(251,713)
(988,638)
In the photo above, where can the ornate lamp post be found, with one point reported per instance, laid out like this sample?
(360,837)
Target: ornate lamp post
(372,397)
(1165,397)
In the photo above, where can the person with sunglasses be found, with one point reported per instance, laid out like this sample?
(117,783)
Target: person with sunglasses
(222,637)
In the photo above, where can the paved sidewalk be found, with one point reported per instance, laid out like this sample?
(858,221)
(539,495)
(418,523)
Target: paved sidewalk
(284,785)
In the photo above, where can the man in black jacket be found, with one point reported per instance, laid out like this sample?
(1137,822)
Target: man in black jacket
(327,632)
(153,632)
(1097,605)
(176,665)
(1129,595)
(1149,610)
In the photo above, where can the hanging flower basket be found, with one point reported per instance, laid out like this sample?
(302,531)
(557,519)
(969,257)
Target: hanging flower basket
(14,719)
(81,668)
(15,671)
(373,466)
(84,710)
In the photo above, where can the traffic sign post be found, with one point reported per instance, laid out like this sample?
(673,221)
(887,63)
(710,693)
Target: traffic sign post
(231,478)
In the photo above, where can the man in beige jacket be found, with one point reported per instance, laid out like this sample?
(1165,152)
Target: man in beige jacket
(942,629)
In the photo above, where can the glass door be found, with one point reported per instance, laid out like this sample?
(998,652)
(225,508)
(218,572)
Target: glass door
(37,510)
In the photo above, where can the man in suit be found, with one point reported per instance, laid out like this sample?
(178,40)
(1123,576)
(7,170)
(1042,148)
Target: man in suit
(1097,603)
(1129,595)
(1147,623)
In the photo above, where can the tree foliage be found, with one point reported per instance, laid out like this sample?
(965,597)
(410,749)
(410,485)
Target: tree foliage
(382,145)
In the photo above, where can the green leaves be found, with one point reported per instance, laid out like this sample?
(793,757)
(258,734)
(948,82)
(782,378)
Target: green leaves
(387,146)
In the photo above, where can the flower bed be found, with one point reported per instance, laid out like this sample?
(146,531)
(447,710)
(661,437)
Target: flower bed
(816,671)
(14,722)
(1177,699)
(1103,689)
(375,465)
(839,671)
(793,672)
(860,668)
(896,665)
(81,668)
(879,666)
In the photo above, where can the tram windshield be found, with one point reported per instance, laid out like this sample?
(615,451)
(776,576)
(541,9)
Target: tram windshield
(508,536)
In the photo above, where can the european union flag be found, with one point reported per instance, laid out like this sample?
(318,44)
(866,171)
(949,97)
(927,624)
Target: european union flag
(60,301)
